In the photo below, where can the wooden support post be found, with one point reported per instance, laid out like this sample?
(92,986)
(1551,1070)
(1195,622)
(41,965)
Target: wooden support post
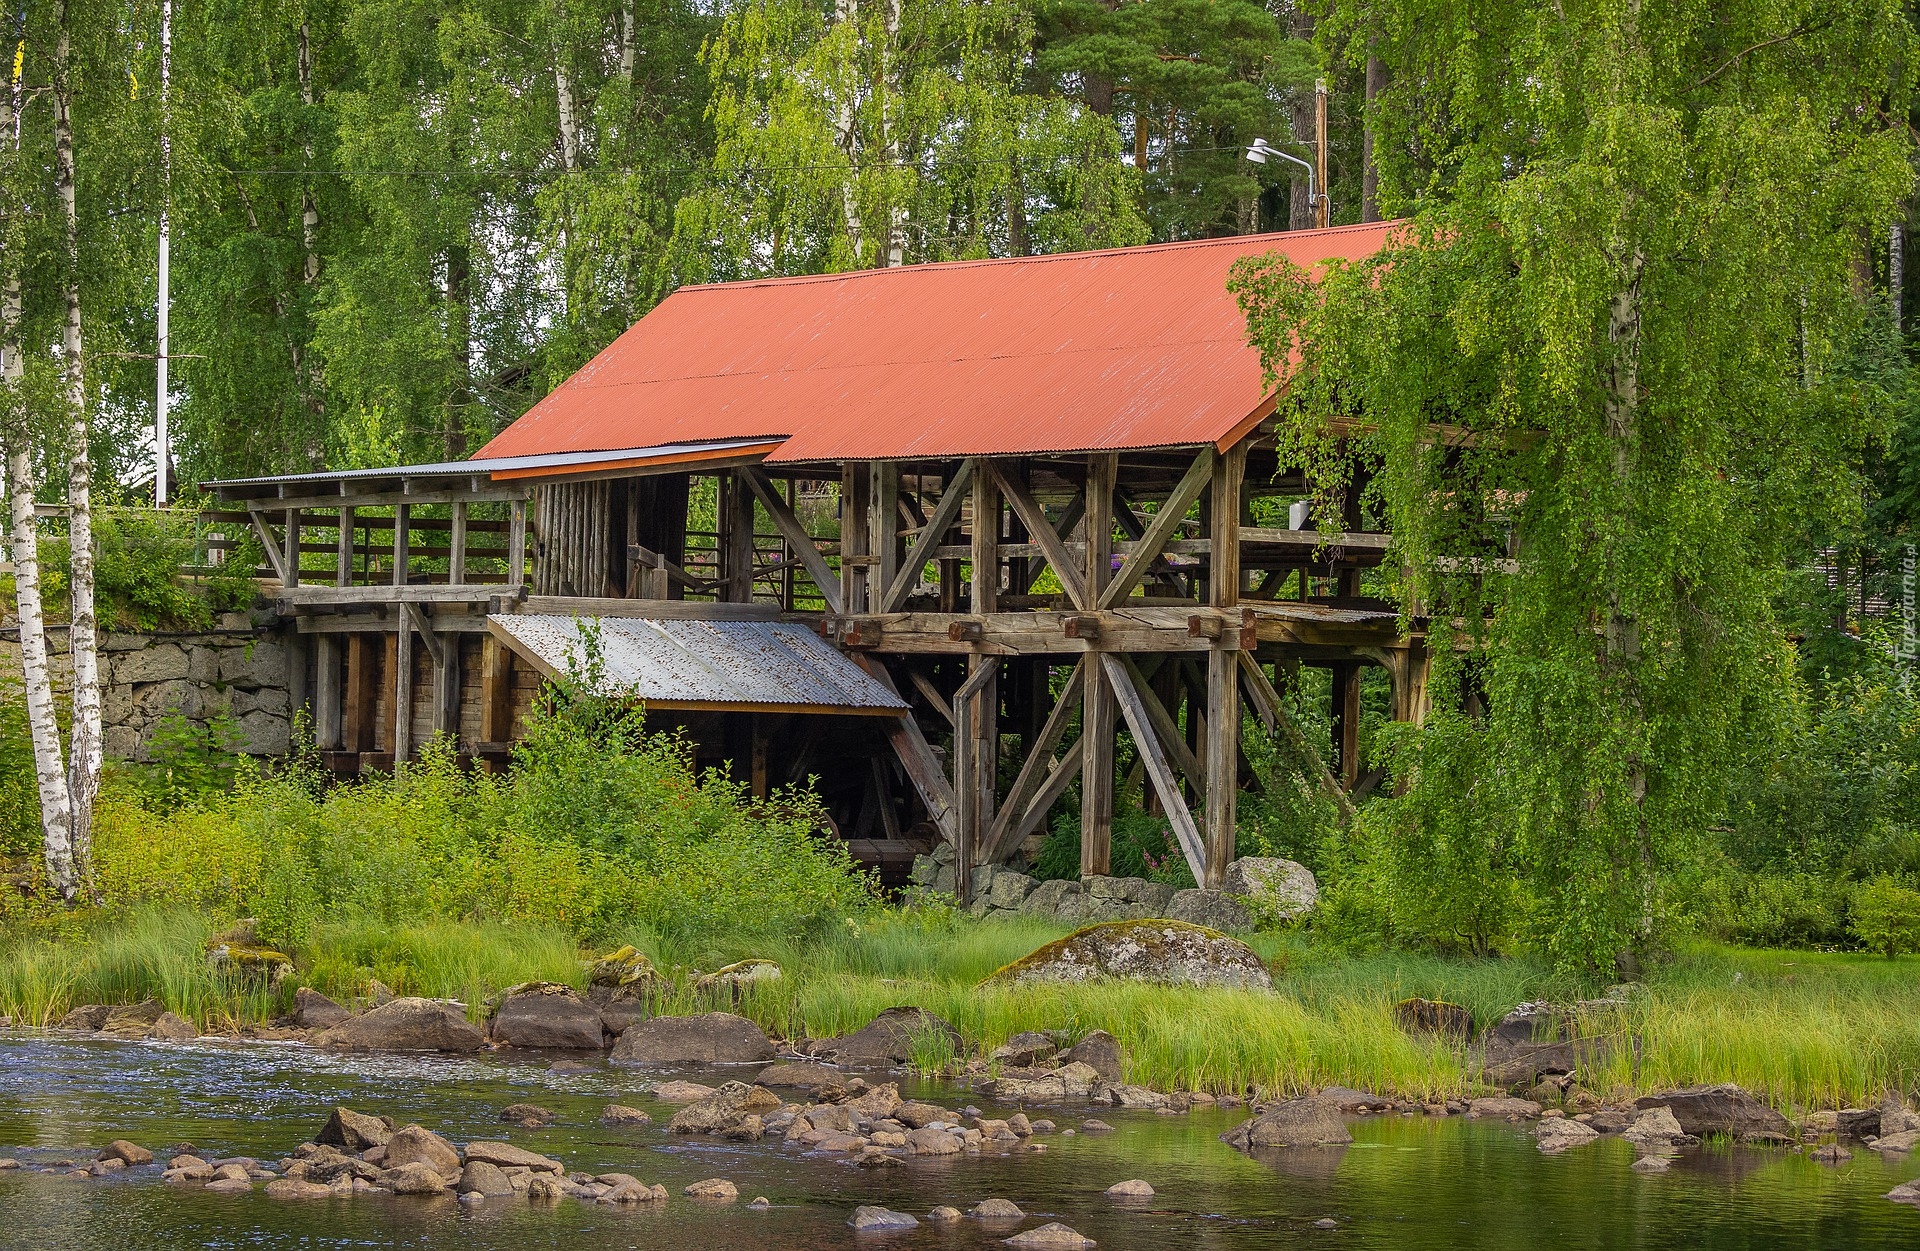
(326,692)
(291,559)
(757,766)
(403,688)
(1097,707)
(402,516)
(883,532)
(496,692)
(343,550)
(1346,720)
(445,650)
(363,690)
(976,715)
(856,497)
(1223,668)
(517,543)
(457,546)
(736,556)
(1158,768)
(1004,838)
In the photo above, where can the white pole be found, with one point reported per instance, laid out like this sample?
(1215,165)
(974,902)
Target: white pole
(160,442)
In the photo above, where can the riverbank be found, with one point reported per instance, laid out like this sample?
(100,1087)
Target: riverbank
(1801,1030)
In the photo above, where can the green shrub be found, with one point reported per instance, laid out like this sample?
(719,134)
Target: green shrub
(1886,916)
(1769,909)
(19,785)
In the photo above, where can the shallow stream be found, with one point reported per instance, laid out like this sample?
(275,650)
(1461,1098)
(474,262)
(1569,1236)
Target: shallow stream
(1406,1182)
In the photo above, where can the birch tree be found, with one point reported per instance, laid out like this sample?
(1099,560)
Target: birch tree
(1599,367)
(894,131)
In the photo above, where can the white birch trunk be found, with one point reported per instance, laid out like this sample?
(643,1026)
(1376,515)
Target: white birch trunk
(847,12)
(569,124)
(626,44)
(309,211)
(83,752)
(890,137)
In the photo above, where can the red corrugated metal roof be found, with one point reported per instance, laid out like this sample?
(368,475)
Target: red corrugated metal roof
(1127,348)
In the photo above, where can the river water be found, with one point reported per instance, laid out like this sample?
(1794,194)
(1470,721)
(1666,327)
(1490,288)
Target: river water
(1406,1182)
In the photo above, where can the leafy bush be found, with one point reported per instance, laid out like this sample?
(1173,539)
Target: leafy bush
(1769,909)
(1886,916)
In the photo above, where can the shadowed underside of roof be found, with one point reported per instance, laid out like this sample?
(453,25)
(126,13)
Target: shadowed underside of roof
(1128,348)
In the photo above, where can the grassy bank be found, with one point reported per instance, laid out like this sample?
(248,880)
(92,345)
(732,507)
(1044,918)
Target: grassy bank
(1806,1030)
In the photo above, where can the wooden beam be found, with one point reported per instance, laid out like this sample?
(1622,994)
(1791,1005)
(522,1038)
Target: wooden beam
(1061,774)
(945,513)
(419,621)
(1273,711)
(343,550)
(796,536)
(1004,838)
(402,514)
(1346,720)
(446,684)
(1165,784)
(856,499)
(275,557)
(1165,726)
(1223,764)
(883,538)
(926,687)
(290,563)
(1152,543)
(1143,628)
(496,691)
(917,757)
(403,690)
(976,723)
(326,693)
(363,690)
(1042,533)
(517,543)
(1223,570)
(457,556)
(1096,697)
(985,546)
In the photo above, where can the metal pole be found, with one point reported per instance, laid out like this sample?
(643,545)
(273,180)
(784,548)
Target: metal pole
(160,438)
(1323,210)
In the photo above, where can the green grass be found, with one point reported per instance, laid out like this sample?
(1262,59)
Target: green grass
(1803,1029)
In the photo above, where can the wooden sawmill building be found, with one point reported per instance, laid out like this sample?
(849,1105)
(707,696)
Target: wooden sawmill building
(934,536)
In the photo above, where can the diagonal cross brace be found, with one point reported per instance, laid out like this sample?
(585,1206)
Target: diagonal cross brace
(1197,478)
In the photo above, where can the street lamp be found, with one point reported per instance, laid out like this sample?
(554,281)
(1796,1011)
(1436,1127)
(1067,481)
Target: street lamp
(1259,150)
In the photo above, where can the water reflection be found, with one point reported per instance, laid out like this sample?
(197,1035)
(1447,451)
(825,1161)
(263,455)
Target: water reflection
(1407,1182)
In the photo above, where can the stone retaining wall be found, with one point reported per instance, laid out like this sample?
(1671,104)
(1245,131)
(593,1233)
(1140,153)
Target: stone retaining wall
(240,667)
(1257,889)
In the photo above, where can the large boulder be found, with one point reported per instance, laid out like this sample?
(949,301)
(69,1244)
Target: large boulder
(89,1017)
(548,1015)
(354,1131)
(1099,1051)
(622,985)
(1309,1121)
(889,1038)
(1070,1081)
(313,1010)
(408,1024)
(133,1020)
(1171,953)
(1530,1042)
(506,1155)
(1274,888)
(711,1038)
(1724,1109)
(724,1109)
(416,1145)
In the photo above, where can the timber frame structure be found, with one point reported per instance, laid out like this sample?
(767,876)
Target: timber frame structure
(1027,606)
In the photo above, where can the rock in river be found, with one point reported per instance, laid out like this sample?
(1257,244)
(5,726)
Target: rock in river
(711,1038)
(869,1219)
(724,1109)
(1560,1134)
(313,1010)
(506,1155)
(803,1076)
(415,1145)
(485,1179)
(1309,1121)
(548,1015)
(889,1038)
(715,1189)
(1052,1234)
(1171,953)
(1723,1109)
(409,1024)
(354,1131)
(125,1152)
(1099,1051)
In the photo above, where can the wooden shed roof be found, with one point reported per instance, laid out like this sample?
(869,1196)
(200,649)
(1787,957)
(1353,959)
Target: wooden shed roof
(1083,351)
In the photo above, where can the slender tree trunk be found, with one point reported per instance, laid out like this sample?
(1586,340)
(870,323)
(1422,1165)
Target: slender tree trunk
(890,137)
(459,332)
(1896,266)
(1369,170)
(846,13)
(50,770)
(1622,631)
(83,754)
(309,211)
(626,44)
(569,122)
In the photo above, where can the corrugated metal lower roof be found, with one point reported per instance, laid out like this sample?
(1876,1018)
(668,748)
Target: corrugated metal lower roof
(546,464)
(744,666)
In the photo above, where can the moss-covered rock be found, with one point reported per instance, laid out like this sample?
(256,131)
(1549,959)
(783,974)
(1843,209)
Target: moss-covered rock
(1171,953)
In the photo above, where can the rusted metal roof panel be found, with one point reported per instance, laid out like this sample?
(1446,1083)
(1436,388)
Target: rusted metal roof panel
(1126,348)
(744,665)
